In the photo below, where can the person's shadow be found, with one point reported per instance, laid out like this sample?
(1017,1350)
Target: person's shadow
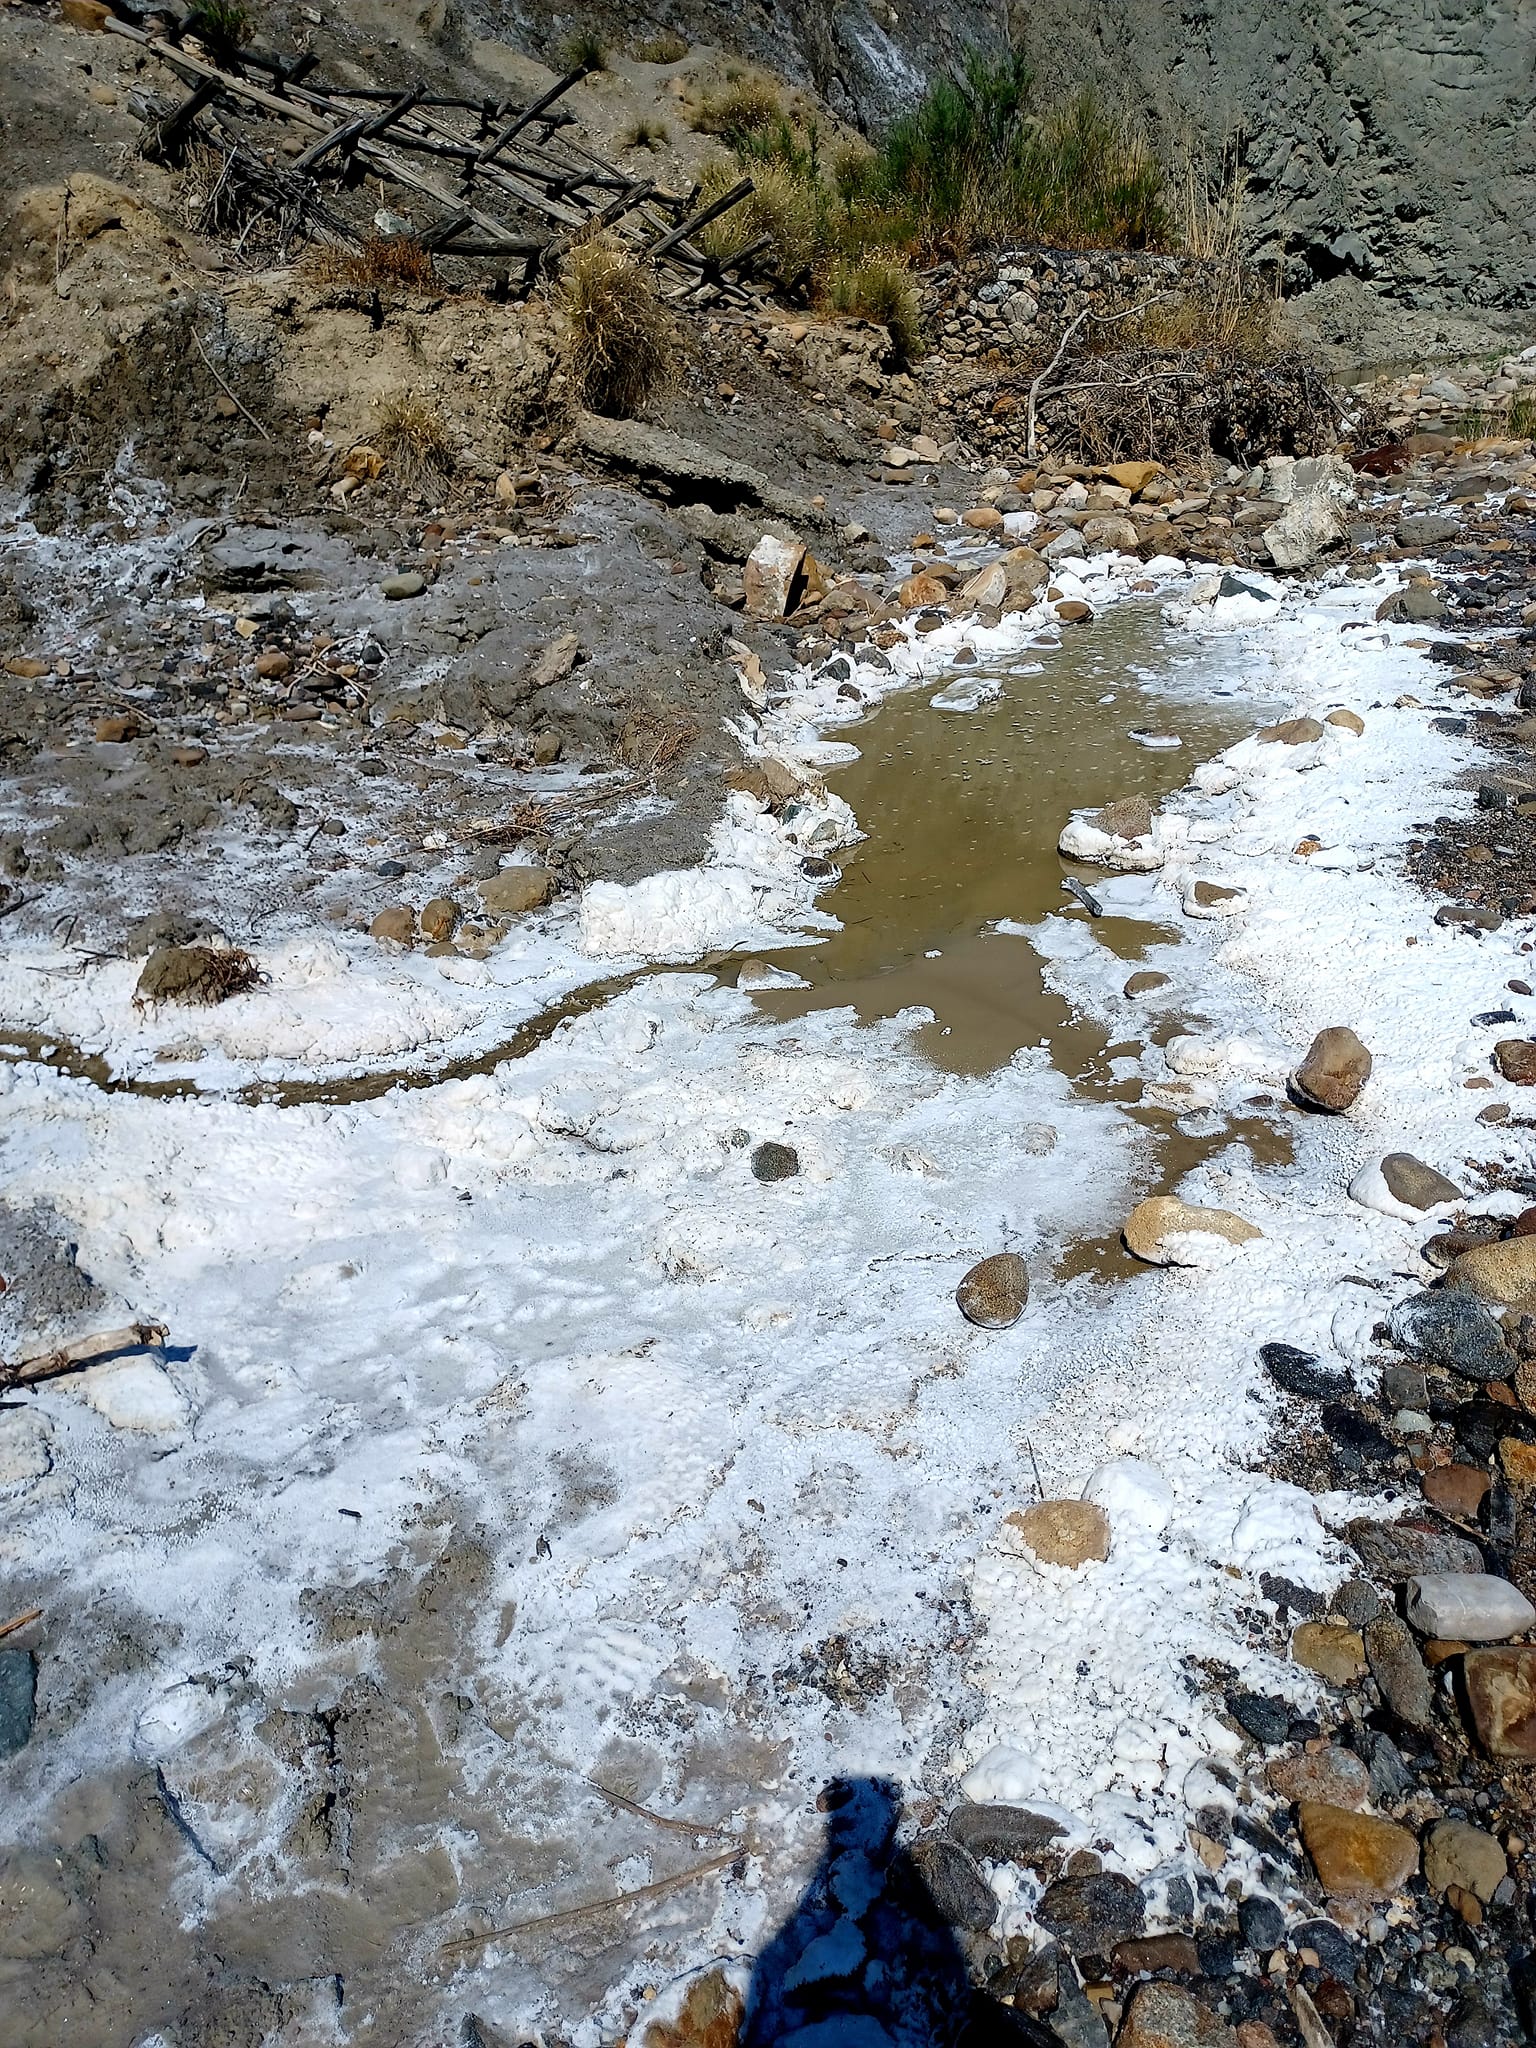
(866,1960)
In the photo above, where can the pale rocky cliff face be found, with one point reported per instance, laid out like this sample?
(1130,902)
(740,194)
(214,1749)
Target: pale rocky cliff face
(1387,138)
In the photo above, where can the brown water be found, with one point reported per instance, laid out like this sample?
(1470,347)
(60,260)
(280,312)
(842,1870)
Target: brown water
(962,812)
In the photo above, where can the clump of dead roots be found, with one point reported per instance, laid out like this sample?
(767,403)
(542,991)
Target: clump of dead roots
(196,974)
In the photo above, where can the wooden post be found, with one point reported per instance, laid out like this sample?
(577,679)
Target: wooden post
(520,121)
(166,140)
(701,219)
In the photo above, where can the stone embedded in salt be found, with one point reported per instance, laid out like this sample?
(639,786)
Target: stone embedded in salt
(1469,1607)
(137,1394)
(1133,1494)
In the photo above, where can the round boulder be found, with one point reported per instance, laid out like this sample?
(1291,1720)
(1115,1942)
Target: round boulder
(1167,1232)
(1336,1068)
(993,1294)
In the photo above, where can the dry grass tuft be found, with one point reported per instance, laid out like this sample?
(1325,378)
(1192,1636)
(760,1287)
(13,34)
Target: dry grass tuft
(584,51)
(782,206)
(879,287)
(413,437)
(647,135)
(623,345)
(526,820)
(742,107)
(665,47)
(654,735)
(1522,415)
(384,262)
(196,974)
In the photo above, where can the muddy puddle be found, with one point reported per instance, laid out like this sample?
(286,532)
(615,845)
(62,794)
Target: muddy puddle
(962,811)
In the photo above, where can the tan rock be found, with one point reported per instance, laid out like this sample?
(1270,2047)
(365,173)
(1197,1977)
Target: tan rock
(440,918)
(1351,721)
(983,518)
(514,890)
(1072,611)
(1293,732)
(116,727)
(1112,530)
(1143,981)
(1027,576)
(1518,1463)
(1062,1532)
(994,1292)
(1503,1274)
(27,666)
(1336,1654)
(771,576)
(189,756)
(1501,1695)
(987,589)
(711,2017)
(1168,2016)
(1336,1777)
(1152,1952)
(273,663)
(1132,476)
(1154,1227)
(921,589)
(1458,1854)
(398,923)
(1456,1489)
(1127,817)
(554,662)
(89,15)
(1336,1068)
(1515,1059)
(1356,1856)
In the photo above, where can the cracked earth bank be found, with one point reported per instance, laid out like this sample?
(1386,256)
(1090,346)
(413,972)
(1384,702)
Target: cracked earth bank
(535,1501)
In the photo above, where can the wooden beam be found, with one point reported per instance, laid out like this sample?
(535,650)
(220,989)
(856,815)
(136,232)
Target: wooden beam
(742,190)
(519,122)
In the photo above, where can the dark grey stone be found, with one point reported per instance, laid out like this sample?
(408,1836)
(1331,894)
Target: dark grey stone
(1262,1924)
(1403,1550)
(1300,1372)
(1088,1914)
(1004,1834)
(18,1699)
(772,1161)
(1358,1602)
(1452,1330)
(951,1879)
(1335,1950)
(1399,1671)
(1266,1720)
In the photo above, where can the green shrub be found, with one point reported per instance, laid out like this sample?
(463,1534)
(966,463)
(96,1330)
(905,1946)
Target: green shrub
(224,25)
(973,163)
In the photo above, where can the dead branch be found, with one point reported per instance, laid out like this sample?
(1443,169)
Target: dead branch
(9,1628)
(681,1827)
(48,1365)
(1040,388)
(594,1906)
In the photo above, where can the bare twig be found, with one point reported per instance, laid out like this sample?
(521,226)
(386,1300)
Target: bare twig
(9,1628)
(1041,388)
(47,1365)
(594,1906)
(681,1827)
(265,432)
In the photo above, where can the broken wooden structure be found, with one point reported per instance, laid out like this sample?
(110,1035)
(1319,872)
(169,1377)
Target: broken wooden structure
(506,184)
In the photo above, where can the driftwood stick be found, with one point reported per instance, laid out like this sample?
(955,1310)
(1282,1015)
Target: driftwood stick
(1041,387)
(681,1827)
(48,1365)
(9,1628)
(572,1913)
(223,383)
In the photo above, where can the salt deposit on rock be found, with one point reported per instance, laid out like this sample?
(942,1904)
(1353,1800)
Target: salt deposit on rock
(1167,1232)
